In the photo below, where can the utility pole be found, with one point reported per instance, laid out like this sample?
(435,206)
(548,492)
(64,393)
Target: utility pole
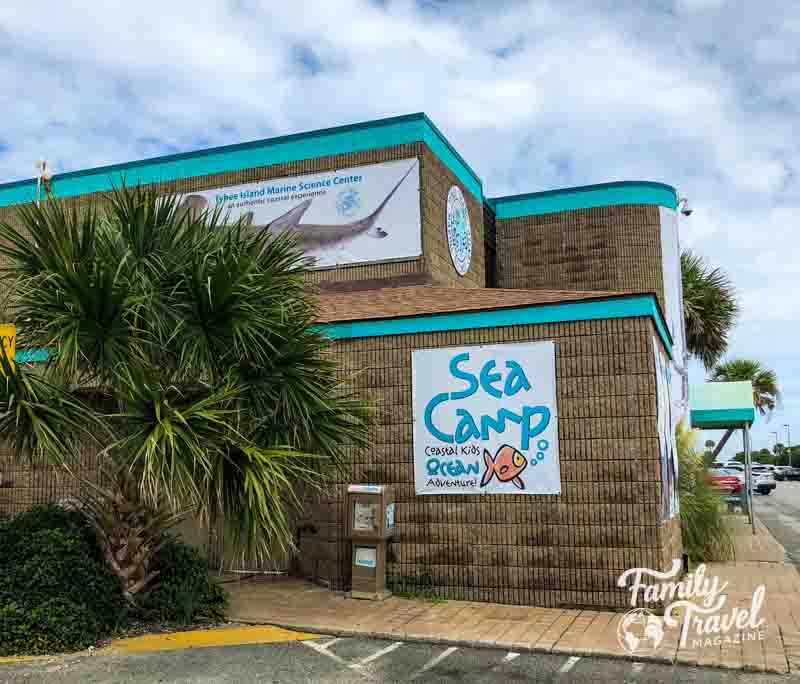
(775,444)
(788,441)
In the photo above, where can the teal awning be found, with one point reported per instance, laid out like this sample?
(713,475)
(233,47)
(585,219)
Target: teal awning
(721,405)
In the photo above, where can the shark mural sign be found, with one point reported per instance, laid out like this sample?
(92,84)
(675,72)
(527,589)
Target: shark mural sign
(346,216)
(485,420)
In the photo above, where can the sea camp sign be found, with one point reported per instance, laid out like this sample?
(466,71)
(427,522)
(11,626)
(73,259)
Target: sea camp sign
(485,420)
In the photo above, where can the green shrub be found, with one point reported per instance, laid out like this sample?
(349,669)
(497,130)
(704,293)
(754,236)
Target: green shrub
(705,534)
(56,591)
(62,625)
(58,594)
(15,628)
(183,592)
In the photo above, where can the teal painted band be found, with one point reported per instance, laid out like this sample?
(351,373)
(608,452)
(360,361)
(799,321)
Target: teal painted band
(360,137)
(721,418)
(31,355)
(585,197)
(621,307)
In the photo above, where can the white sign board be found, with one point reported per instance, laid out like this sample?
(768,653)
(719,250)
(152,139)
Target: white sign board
(347,216)
(485,420)
(366,556)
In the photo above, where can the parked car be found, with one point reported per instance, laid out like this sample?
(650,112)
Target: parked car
(792,473)
(735,467)
(725,481)
(782,472)
(763,481)
(778,473)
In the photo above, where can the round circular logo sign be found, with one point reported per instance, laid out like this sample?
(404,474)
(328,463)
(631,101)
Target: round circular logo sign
(640,632)
(459,233)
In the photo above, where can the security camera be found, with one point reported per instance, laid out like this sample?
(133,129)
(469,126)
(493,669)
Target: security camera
(683,205)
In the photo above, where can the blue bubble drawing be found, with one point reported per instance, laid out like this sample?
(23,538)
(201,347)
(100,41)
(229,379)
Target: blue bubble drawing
(542,444)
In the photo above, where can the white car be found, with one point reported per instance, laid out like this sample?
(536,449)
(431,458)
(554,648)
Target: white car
(763,480)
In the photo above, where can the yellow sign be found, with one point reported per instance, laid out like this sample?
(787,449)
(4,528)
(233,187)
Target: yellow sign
(8,342)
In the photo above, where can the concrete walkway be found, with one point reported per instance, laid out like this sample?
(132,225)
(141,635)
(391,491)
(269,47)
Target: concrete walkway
(759,560)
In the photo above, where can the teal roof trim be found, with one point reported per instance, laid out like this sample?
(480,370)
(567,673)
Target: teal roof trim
(617,307)
(358,137)
(585,197)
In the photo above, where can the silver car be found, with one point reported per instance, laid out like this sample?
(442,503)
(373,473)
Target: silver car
(763,480)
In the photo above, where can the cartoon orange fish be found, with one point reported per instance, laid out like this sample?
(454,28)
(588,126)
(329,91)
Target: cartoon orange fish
(507,464)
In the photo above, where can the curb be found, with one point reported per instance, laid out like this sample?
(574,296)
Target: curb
(465,643)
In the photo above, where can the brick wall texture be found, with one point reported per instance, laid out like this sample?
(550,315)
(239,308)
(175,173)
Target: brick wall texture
(602,248)
(565,550)
(24,484)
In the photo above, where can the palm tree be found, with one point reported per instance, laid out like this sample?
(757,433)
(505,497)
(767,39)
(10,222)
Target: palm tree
(765,382)
(709,306)
(765,387)
(183,352)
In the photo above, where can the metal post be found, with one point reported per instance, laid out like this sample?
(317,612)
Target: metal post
(789,443)
(749,477)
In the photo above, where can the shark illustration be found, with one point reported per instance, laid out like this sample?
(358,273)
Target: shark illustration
(311,235)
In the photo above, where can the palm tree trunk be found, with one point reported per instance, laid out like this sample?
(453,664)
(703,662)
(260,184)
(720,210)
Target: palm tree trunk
(722,443)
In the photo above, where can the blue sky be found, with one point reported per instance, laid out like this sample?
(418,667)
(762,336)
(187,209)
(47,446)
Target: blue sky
(700,94)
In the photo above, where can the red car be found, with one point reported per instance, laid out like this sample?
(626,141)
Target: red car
(725,482)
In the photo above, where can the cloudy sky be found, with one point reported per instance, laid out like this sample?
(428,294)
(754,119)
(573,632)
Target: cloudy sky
(701,94)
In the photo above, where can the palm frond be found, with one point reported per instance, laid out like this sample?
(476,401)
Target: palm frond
(172,433)
(45,422)
(766,393)
(254,493)
(710,308)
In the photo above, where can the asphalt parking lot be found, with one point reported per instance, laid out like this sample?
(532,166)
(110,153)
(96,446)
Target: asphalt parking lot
(780,512)
(330,659)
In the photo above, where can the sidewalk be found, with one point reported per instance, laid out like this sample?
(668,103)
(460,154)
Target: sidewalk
(759,560)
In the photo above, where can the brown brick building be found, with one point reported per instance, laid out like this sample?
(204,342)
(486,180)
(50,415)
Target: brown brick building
(589,271)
